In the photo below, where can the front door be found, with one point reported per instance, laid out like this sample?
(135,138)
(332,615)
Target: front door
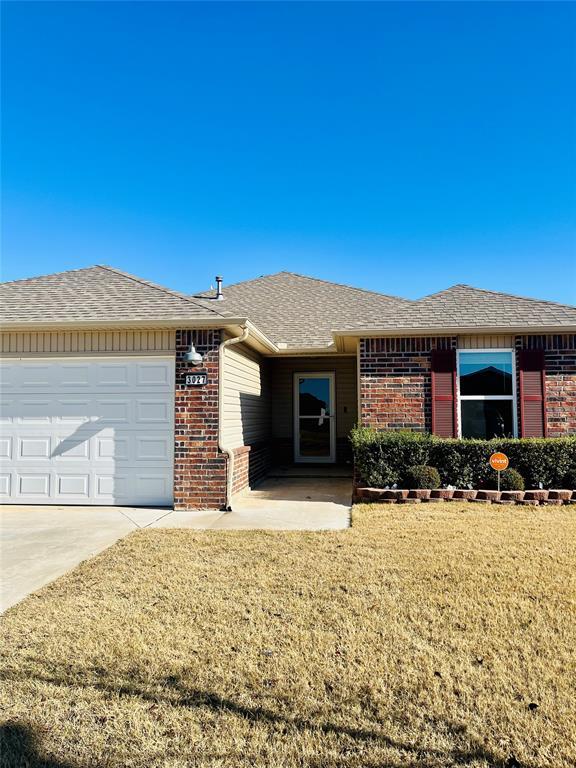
(314,418)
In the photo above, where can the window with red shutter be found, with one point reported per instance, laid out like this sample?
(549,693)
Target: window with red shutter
(444,422)
(532,393)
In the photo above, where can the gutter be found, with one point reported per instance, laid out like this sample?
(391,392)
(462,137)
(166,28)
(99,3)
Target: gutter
(229,452)
(523,330)
(149,323)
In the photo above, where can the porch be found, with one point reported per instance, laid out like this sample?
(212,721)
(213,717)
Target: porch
(289,417)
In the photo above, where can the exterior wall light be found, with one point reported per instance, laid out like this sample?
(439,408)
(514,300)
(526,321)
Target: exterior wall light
(192,356)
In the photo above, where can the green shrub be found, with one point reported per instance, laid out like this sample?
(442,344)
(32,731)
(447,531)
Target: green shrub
(570,478)
(422,476)
(510,480)
(381,458)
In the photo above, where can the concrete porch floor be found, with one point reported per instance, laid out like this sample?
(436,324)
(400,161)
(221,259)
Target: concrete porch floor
(278,504)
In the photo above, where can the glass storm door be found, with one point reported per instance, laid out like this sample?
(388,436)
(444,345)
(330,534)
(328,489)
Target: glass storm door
(314,418)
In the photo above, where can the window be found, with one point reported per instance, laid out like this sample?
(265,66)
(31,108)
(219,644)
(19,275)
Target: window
(486,393)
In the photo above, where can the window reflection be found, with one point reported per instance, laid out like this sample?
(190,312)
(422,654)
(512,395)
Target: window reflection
(485,373)
(314,396)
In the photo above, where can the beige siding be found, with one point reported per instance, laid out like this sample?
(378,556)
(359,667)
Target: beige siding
(246,397)
(86,342)
(282,379)
(485,342)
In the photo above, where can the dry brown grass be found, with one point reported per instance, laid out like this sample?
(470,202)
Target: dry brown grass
(419,638)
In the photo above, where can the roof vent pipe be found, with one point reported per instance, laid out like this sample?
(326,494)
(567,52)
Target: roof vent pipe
(219,295)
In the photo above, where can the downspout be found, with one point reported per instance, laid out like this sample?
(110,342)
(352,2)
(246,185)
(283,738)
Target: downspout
(229,452)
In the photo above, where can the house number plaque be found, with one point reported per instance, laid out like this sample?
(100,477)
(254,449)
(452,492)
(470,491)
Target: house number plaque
(196,379)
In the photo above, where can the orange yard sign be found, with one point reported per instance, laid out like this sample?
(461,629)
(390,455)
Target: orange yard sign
(499,462)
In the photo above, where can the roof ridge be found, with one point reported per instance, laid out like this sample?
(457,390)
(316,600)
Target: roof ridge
(496,293)
(157,287)
(325,282)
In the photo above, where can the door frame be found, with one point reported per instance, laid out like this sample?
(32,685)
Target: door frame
(331,376)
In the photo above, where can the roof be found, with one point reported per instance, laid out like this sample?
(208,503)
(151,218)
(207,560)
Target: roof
(463,307)
(95,295)
(285,309)
(301,312)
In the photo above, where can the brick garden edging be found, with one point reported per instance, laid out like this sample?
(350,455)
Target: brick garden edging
(554,497)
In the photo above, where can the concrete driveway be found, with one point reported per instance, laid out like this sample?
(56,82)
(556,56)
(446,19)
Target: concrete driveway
(40,543)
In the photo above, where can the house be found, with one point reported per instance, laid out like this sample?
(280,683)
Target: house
(119,391)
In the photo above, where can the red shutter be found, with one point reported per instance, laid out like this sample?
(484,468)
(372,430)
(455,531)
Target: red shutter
(444,419)
(532,393)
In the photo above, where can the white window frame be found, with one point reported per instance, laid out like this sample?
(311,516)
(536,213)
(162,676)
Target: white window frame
(298,459)
(511,397)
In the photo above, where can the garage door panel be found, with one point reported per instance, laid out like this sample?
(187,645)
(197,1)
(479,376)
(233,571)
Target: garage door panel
(130,410)
(6,407)
(76,376)
(70,449)
(35,377)
(73,410)
(73,485)
(109,442)
(111,485)
(33,484)
(152,412)
(114,411)
(126,446)
(5,484)
(155,486)
(111,447)
(8,377)
(113,376)
(151,448)
(154,375)
(34,448)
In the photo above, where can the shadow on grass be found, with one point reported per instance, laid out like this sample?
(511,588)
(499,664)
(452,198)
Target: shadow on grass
(171,691)
(19,748)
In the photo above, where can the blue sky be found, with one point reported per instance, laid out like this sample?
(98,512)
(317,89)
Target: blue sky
(402,147)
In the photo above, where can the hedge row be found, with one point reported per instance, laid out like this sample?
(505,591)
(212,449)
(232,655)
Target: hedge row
(383,458)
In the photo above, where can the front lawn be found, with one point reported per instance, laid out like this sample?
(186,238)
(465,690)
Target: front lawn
(435,635)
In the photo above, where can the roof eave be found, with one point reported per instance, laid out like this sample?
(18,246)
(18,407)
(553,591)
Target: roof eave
(452,331)
(260,337)
(168,324)
(232,324)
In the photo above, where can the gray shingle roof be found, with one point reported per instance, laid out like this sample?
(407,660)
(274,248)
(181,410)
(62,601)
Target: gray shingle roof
(95,294)
(301,311)
(465,307)
(294,311)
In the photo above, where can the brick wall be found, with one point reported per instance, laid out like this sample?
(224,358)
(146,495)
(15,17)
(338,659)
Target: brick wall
(251,464)
(396,383)
(199,467)
(560,362)
(241,476)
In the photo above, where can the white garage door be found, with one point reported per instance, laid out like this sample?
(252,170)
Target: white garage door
(87,431)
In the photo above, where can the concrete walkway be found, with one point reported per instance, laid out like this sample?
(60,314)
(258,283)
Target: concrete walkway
(278,504)
(40,543)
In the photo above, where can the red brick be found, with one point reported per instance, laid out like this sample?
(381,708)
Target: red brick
(199,466)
